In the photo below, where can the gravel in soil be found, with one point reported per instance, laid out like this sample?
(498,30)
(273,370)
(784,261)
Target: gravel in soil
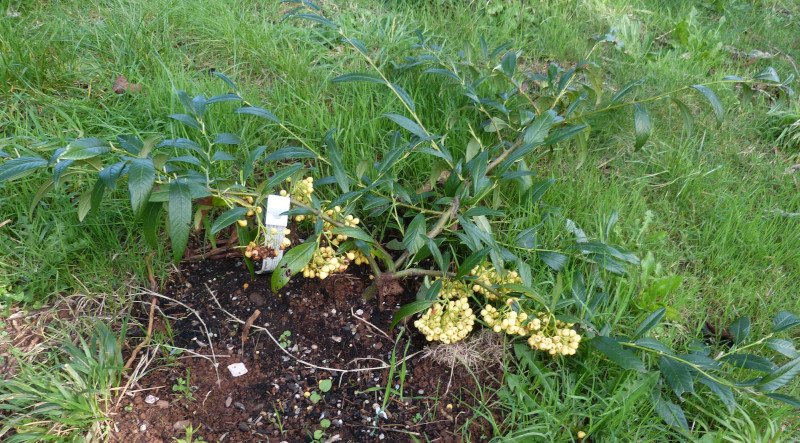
(326,323)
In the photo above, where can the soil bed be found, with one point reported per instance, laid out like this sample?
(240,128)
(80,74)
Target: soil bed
(326,323)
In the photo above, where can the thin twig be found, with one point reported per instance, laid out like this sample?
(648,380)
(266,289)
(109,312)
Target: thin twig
(377,329)
(311,365)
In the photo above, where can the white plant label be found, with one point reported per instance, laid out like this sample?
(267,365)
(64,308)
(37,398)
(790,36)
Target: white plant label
(275,218)
(237,369)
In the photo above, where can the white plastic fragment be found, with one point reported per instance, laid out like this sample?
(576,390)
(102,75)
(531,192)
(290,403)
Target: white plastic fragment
(237,369)
(275,218)
(150,399)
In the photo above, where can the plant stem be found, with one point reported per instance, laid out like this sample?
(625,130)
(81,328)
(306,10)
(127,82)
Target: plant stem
(436,230)
(372,263)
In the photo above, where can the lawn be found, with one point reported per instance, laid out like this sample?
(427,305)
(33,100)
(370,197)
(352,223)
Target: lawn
(699,203)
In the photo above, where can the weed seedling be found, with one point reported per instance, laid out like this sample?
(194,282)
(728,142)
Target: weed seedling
(183,386)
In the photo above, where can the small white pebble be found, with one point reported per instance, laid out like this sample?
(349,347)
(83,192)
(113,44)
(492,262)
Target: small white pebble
(143,427)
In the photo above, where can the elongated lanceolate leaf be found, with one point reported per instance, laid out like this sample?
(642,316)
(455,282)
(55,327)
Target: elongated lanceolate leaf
(358,77)
(335,157)
(641,124)
(19,167)
(228,218)
(616,353)
(649,323)
(408,124)
(186,119)
(150,222)
(141,176)
(678,375)
(258,112)
(179,210)
(780,377)
(409,310)
(671,413)
(292,263)
(740,329)
(784,320)
(716,105)
(84,148)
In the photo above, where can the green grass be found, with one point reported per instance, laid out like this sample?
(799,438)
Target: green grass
(710,191)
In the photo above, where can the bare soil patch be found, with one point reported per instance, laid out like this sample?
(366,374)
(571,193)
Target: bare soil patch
(325,323)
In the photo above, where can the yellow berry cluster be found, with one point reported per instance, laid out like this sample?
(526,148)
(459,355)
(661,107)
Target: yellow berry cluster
(255,251)
(560,339)
(489,276)
(250,213)
(452,289)
(301,191)
(325,262)
(510,321)
(447,323)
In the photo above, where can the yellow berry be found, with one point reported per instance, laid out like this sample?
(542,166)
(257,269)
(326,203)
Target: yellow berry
(581,434)
(242,223)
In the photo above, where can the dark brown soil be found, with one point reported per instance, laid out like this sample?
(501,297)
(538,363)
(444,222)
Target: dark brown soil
(317,322)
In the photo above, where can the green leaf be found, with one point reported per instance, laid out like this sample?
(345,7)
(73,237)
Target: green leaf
(740,329)
(509,63)
(354,233)
(292,263)
(671,413)
(98,192)
(749,361)
(444,72)
(289,152)
(537,190)
(677,374)
(228,218)
(538,130)
(150,223)
(20,167)
(788,399)
(780,377)
(187,103)
(179,210)
(84,148)
(258,112)
(625,90)
(187,120)
(785,347)
(768,74)
(130,143)
(192,160)
(325,385)
(358,77)
(435,252)
(84,204)
(716,105)
(653,344)
(527,238)
(403,96)
(226,138)
(604,249)
(282,174)
(222,156)
(416,229)
(564,134)
(226,79)
(224,98)
(614,351)
(44,188)
(411,309)
(336,162)
(641,124)
(406,123)
(649,323)
(553,259)
(470,262)
(686,114)
(477,211)
(141,177)
(316,18)
(249,163)
(784,320)
(723,392)
(111,174)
